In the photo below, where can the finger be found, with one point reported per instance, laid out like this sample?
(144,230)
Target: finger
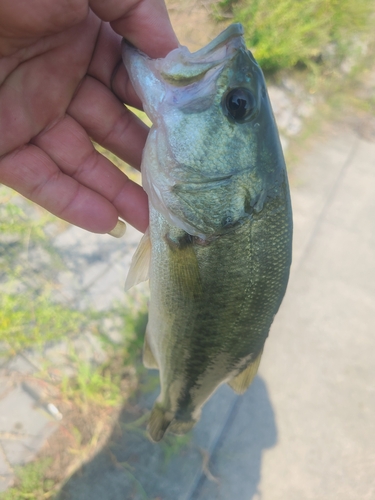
(108,121)
(38,92)
(145,23)
(32,173)
(69,147)
(123,88)
(107,66)
(27,20)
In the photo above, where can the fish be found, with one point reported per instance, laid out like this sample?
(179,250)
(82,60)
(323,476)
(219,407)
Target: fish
(218,248)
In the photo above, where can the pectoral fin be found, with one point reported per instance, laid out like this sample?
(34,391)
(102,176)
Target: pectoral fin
(242,381)
(140,264)
(184,269)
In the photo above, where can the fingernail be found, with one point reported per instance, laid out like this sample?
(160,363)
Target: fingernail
(119,229)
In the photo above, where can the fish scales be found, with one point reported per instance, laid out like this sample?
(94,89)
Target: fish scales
(219,240)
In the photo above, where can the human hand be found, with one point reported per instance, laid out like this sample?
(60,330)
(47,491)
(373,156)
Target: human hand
(62,82)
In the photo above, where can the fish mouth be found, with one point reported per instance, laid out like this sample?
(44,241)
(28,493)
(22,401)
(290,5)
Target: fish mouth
(181,67)
(233,31)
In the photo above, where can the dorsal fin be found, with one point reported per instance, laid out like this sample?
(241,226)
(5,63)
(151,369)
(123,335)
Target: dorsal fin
(140,264)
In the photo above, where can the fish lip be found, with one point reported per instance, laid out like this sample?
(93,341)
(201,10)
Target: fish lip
(173,67)
(233,31)
(182,67)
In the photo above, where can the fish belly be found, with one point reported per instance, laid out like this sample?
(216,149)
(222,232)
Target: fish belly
(211,306)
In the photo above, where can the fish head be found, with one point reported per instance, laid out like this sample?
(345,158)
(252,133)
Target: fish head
(213,155)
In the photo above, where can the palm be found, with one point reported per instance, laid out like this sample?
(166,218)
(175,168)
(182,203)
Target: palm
(58,90)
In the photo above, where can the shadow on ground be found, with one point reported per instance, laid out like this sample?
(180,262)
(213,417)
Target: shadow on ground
(220,459)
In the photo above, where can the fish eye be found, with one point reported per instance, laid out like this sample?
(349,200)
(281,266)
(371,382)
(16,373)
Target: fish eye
(239,104)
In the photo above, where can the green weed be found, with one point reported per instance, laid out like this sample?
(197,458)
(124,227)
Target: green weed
(173,445)
(28,320)
(28,269)
(284,33)
(90,384)
(31,482)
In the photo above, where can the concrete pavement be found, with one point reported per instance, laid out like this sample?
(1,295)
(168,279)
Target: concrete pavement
(94,276)
(306,427)
(319,363)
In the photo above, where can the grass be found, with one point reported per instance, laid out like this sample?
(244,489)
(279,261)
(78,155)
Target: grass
(90,401)
(33,313)
(31,483)
(173,446)
(92,385)
(29,321)
(285,33)
(326,46)
(28,268)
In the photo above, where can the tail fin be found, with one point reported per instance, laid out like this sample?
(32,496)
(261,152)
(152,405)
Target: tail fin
(159,422)
(180,427)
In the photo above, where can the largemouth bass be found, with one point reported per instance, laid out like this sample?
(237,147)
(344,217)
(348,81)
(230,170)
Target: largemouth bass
(218,246)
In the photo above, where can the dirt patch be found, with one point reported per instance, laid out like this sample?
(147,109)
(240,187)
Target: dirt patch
(193,22)
(84,430)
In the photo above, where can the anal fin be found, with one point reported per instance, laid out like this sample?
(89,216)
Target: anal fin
(148,357)
(243,380)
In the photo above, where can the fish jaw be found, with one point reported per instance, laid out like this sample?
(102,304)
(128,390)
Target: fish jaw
(169,84)
(150,77)
(186,107)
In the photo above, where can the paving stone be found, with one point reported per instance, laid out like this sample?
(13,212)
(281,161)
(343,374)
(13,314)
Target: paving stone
(178,477)
(235,467)
(21,364)
(6,482)
(284,142)
(6,472)
(97,266)
(318,361)
(23,449)
(294,126)
(290,104)
(147,470)
(5,385)
(57,357)
(89,349)
(53,354)
(306,108)
(4,347)
(112,330)
(20,416)
(5,469)
(24,428)
(108,288)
